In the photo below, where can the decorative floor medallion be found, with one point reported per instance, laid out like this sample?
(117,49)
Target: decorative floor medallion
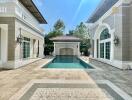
(72,91)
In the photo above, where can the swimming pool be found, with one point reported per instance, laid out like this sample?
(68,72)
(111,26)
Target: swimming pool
(68,62)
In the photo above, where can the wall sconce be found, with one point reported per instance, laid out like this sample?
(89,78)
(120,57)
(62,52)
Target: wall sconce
(116,40)
(19,38)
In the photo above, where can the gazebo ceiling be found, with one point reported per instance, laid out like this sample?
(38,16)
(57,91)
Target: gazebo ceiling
(33,10)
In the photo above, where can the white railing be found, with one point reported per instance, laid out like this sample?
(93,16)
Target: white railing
(7,7)
(14,7)
(3,9)
(6,1)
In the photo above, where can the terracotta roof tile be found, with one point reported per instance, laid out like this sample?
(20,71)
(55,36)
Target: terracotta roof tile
(66,39)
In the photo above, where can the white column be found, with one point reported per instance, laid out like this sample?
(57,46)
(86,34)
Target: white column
(31,48)
(78,48)
(54,50)
(4,43)
(112,46)
(95,48)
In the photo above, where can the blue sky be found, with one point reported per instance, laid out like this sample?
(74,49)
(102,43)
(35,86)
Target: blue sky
(72,12)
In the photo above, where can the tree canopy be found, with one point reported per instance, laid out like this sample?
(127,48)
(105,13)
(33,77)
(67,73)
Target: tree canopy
(59,25)
(58,30)
(82,32)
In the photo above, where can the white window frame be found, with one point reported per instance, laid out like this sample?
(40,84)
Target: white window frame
(105,41)
(30,48)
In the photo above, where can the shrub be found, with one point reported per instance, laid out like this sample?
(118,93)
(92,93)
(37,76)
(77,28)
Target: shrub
(48,49)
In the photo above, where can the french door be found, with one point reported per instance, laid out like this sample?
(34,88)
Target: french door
(26,48)
(105,49)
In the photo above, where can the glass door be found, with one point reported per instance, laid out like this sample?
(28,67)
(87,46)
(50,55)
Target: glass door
(105,48)
(26,48)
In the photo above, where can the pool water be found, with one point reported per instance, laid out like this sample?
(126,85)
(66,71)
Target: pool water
(68,62)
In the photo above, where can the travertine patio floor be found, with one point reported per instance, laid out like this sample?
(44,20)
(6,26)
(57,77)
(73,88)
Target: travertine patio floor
(11,81)
(121,78)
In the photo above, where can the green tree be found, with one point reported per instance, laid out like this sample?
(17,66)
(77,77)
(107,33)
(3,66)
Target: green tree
(71,32)
(58,30)
(59,25)
(82,32)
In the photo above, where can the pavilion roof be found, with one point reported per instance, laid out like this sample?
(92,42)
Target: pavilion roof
(65,39)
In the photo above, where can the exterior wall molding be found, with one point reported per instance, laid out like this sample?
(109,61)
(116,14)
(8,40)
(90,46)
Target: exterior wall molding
(30,26)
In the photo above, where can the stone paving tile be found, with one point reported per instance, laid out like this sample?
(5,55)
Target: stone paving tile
(11,81)
(68,94)
(121,78)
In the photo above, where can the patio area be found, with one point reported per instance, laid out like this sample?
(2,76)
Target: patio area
(121,78)
(12,81)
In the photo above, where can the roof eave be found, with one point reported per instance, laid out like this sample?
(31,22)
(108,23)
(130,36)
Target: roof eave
(40,19)
(44,21)
(101,7)
(66,40)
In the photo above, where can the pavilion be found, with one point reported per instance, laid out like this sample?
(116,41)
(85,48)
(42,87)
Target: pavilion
(66,45)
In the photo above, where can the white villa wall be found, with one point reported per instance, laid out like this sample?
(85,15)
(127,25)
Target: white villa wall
(13,8)
(15,13)
(116,20)
(4,44)
(33,35)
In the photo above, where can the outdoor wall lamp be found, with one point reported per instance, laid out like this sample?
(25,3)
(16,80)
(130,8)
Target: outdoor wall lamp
(116,40)
(20,38)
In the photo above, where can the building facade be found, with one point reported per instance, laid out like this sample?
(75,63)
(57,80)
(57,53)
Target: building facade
(111,32)
(21,37)
(66,45)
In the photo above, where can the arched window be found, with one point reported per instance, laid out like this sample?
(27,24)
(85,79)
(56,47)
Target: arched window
(105,34)
(105,46)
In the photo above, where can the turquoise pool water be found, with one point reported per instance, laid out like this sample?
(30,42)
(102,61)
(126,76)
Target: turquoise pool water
(67,62)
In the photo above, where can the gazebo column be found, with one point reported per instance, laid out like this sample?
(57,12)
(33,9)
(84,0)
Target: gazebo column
(78,48)
(54,50)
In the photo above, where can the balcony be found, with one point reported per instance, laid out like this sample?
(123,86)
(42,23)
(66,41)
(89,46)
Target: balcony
(13,8)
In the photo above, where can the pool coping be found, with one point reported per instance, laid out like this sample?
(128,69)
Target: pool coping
(23,90)
(95,68)
(45,63)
